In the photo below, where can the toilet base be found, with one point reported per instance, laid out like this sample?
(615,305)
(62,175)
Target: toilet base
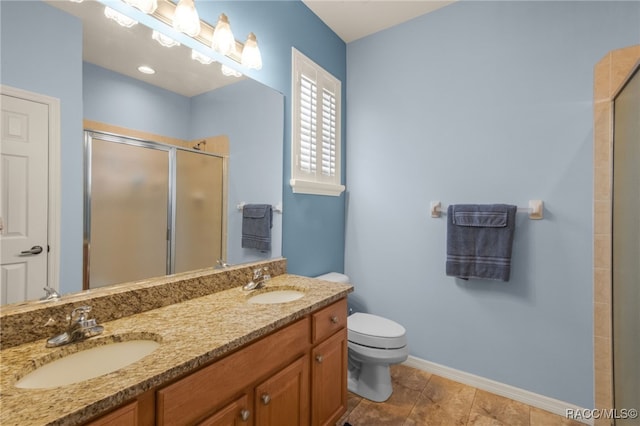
(370,381)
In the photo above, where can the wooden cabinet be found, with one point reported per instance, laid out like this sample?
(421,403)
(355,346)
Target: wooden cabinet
(296,376)
(329,364)
(283,399)
(203,393)
(236,413)
(123,416)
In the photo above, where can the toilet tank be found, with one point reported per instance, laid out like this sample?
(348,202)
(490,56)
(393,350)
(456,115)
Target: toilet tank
(336,277)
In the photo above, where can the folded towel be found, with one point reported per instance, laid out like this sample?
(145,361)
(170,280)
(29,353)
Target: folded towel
(479,240)
(257,220)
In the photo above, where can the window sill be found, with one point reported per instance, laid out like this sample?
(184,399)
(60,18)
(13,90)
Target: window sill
(316,188)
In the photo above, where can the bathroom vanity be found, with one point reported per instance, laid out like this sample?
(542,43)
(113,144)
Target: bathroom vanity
(220,361)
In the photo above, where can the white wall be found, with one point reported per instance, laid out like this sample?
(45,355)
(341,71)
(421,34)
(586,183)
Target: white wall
(482,102)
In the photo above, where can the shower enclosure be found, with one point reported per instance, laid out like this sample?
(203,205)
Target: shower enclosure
(150,209)
(626,250)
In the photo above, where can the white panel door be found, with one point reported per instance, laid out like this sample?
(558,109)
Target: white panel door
(24,199)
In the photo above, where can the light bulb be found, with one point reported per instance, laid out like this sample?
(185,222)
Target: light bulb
(121,19)
(223,40)
(251,57)
(147,6)
(164,40)
(230,72)
(203,59)
(186,19)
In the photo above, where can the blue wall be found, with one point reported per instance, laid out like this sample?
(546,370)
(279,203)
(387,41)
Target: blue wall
(116,99)
(45,57)
(482,102)
(251,115)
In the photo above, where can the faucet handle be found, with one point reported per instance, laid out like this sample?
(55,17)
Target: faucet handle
(80,312)
(257,273)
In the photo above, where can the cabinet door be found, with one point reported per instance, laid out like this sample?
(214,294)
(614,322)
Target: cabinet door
(329,379)
(235,414)
(283,399)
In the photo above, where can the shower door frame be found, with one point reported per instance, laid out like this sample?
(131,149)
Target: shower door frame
(171,207)
(610,74)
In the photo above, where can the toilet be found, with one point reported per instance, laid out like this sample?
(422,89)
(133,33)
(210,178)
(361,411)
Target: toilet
(374,343)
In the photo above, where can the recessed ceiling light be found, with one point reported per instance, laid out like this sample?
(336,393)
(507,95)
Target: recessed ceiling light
(146,70)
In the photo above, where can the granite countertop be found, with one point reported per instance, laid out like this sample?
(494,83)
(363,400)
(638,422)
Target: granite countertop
(191,333)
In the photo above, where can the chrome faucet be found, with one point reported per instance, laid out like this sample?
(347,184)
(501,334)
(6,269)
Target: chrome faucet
(50,294)
(260,278)
(221,264)
(79,328)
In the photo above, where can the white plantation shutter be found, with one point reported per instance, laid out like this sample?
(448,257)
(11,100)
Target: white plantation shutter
(308,124)
(315,167)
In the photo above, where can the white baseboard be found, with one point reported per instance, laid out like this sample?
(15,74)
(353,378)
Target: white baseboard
(530,398)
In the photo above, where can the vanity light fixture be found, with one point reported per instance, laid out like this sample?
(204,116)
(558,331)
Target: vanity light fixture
(146,69)
(147,6)
(186,19)
(203,59)
(230,72)
(223,40)
(121,19)
(251,57)
(164,40)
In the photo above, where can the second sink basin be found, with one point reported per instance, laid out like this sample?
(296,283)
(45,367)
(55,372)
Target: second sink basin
(276,296)
(87,364)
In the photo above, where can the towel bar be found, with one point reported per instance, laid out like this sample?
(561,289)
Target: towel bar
(277,208)
(535,209)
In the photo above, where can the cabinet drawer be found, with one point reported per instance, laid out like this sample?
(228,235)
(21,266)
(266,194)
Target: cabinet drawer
(203,392)
(127,415)
(328,320)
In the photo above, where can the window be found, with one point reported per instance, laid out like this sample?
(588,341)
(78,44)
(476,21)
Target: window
(315,165)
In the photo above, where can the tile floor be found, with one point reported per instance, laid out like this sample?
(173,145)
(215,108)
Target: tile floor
(420,398)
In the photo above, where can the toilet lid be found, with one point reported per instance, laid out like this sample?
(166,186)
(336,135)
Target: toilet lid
(376,332)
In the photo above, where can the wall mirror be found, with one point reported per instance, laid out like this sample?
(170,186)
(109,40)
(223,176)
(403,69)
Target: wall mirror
(186,100)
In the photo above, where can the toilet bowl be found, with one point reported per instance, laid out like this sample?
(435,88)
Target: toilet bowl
(374,343)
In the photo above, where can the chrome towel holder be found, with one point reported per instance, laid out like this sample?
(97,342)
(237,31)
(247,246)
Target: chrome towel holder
(535,209)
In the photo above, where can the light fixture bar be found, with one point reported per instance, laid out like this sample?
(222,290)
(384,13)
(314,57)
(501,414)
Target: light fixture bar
(165,12)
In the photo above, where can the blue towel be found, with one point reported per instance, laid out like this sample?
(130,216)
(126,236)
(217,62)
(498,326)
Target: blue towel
(257,220)
(479,240)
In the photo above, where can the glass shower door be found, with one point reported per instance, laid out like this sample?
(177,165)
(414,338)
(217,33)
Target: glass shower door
(128,211)
(626,250)
(198,211)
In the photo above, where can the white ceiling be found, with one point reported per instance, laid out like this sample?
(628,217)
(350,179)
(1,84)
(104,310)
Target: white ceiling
(354,19)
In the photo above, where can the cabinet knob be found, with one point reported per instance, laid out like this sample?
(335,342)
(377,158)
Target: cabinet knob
(266,399)
(334,319)
(244,415)
(319,358)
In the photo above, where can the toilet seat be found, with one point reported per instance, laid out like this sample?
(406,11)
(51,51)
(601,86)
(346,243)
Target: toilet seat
(375,332)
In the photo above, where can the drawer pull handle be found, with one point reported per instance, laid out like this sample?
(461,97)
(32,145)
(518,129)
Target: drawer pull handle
(244,415)
(319,358)
(334,319)
(266,399)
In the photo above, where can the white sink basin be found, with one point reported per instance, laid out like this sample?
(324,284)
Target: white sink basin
(87,364)
(276,296)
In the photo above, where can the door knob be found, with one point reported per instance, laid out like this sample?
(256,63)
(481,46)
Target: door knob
(266,399)
(33,250)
